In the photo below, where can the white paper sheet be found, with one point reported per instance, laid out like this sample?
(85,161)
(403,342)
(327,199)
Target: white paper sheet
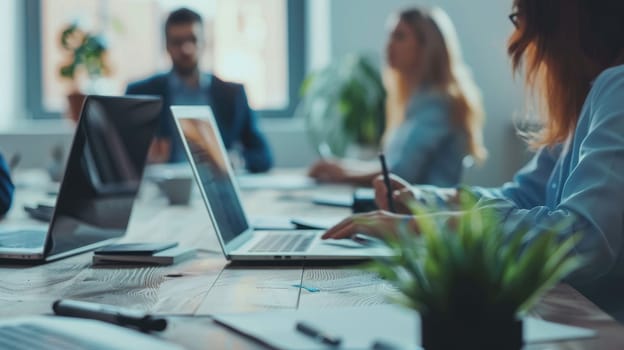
(360,327)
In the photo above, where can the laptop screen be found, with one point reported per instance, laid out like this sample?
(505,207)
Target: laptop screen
(204,146)
(103,171)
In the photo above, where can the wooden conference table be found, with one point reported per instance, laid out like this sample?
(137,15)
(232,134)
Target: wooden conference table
(190,291)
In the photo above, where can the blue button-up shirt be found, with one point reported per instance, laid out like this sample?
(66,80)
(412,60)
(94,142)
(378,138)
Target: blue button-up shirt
(184,95)
(580,182)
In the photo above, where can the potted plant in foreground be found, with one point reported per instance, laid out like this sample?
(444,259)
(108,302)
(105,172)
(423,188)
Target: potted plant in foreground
(470,282)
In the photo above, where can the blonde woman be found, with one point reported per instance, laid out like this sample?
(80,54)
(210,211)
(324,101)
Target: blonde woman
(433,111)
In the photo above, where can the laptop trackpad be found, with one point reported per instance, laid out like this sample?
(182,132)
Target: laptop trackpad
(22,237)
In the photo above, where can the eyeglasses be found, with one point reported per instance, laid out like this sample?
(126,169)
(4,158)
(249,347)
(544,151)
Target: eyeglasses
(514,19)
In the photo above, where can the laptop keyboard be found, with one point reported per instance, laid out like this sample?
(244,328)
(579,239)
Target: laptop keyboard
(34,337)
(283,242)
(22,238)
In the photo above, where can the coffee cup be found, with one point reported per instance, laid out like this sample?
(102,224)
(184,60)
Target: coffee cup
(176,189)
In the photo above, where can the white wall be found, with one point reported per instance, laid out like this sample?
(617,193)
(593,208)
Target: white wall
(483,27)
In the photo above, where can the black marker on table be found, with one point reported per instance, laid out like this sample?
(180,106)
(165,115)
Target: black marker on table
(108,313)
(318,335)
(386,177)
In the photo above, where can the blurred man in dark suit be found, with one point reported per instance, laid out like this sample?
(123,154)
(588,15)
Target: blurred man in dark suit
(186,85)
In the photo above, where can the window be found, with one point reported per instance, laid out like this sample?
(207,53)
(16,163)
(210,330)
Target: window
(255,42)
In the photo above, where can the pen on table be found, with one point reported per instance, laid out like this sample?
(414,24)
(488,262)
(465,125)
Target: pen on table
(386,177)
(108,313)
(382,345)
(318,335)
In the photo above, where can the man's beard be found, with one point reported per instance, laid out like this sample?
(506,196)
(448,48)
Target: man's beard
(185,71)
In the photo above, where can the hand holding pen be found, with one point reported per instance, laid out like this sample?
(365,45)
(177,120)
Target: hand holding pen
(391,192)
(377,223)
(386,179)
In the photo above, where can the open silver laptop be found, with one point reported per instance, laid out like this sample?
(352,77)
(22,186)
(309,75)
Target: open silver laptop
(239,241)
(101,181)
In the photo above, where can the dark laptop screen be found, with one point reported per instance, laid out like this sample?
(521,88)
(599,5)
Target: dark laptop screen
(103,171)
(210,160)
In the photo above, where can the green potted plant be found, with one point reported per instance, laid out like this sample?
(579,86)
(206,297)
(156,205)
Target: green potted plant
(343,106)
(85,59)
(470,282)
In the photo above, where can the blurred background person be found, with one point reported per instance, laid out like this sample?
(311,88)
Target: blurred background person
(6,187)
(185,84)
(434,113)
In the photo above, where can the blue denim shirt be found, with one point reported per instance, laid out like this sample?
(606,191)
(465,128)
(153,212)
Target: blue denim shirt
(182,94)
(427,148)
(580,182)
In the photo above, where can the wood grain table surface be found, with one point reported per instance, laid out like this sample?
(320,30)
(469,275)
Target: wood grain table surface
(188,292)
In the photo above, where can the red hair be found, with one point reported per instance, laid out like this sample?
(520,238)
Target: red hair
(564,45)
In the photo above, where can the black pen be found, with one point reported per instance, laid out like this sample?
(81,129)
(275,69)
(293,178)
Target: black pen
(317,334)
(386,177)
(381,345)
(108,313)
